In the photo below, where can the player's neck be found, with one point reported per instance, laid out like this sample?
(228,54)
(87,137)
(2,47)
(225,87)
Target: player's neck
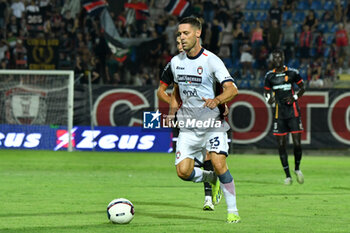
(280,69)
(194,51)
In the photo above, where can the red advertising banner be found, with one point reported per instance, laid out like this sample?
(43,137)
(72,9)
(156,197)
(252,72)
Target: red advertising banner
(325,114)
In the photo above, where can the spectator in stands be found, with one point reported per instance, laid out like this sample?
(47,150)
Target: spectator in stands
(338,12)
(329,74)
(197,7)
(305,41)
(205,35)
(237,15)
(209,10)
(347,12)
(289,5)
(215,36)
(18,8)
(145,32)
(159,26)
(79,69)
(4,49)
(238,36)
(20,55)
(311,20)
(169,32)
(256,38)
(3,64)
(341,40)
(3,14)
(261,60)
(327,16)
(116,80)
(222,13)
(275,12)
(274,35)
(12,26)
(246,58)
(289,36)
(320,43)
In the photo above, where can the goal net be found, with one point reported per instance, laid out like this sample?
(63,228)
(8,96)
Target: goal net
(36,101)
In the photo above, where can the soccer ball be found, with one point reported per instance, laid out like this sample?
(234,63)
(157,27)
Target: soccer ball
(120,211)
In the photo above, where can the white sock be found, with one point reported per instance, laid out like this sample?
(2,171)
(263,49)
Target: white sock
(230,197)
(208,198)
(202,175)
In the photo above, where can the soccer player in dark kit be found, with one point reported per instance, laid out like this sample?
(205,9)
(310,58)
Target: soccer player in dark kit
(279,90)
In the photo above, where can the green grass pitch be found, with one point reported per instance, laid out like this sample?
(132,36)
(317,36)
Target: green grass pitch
(42,191)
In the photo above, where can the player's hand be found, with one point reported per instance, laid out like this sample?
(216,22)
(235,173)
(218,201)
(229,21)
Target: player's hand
(289,100)
(226,111)
(169,120)
(271,100)
(211,103)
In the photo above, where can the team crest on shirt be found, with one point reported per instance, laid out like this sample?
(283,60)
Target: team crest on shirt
(200,70)
(178,154)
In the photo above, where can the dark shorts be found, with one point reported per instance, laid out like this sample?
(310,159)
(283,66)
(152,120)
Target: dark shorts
(284,126)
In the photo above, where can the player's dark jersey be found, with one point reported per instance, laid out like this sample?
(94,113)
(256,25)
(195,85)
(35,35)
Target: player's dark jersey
(282,86)
(167,77)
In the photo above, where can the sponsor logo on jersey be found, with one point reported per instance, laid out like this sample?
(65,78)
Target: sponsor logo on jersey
(284,87)
(189,79)
(180,68)
(190,93)
(286,78)
(280,75)
(200,70)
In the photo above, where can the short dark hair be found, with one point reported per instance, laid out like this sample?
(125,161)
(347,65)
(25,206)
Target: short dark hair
(280,51)
(193,21)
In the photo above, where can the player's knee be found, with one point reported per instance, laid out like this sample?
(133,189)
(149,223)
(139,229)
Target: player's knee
(184,173)
(297,146)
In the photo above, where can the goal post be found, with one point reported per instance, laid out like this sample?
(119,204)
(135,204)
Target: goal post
(38,98)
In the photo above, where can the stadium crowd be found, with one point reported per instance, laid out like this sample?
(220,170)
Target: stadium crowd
(313,34)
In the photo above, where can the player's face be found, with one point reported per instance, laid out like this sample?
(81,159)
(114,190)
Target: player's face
(188,35)
(179,45)
(278,60)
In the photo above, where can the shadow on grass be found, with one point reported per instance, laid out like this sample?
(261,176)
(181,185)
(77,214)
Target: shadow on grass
(165,204)
(176,216)
(16,215)
(341,188)
(254,182)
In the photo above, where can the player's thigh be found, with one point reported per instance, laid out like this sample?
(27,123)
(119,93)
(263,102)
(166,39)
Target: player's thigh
(280,127)
(219,162)
(188,146)
(295,125)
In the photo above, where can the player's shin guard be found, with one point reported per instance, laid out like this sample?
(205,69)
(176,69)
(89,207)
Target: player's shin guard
(284,160)
(228,188)
(297,157)
(208,166)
